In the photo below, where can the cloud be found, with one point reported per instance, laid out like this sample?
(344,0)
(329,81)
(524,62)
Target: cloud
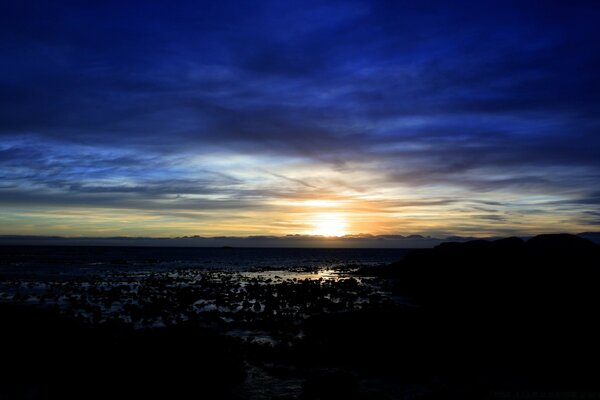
(152,106)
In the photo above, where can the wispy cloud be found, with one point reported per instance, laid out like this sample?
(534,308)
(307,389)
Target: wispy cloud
(409,116)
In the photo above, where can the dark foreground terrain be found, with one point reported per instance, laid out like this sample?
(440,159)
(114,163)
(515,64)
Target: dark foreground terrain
(504,319)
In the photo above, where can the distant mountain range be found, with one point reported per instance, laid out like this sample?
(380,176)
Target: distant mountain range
(362,240)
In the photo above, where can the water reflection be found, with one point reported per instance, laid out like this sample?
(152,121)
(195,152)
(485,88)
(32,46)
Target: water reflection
(264,306)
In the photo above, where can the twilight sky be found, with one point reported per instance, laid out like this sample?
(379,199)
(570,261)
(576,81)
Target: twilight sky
(170,118)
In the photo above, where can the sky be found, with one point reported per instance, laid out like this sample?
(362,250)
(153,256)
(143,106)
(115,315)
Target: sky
(247,118)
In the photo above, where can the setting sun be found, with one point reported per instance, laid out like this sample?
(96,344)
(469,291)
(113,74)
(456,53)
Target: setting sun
(329,225)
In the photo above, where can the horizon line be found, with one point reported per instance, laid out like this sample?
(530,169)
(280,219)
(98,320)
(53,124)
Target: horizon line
(262,241)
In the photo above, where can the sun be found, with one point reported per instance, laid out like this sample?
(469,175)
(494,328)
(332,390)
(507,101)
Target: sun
(329,225)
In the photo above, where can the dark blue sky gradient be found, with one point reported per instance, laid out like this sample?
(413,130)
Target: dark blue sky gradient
(217,117)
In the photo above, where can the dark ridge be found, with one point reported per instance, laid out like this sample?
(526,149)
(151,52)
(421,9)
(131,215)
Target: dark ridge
(561,243)
(520,311)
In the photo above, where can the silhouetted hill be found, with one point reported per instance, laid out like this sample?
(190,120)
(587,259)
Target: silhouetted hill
(500,265)
(561,243)
(522,311)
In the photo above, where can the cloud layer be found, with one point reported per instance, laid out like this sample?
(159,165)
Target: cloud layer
(233,118)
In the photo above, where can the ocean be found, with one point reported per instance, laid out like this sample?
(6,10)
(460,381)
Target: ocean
(76,260)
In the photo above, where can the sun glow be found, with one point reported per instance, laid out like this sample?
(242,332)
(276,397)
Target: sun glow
(329,225)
